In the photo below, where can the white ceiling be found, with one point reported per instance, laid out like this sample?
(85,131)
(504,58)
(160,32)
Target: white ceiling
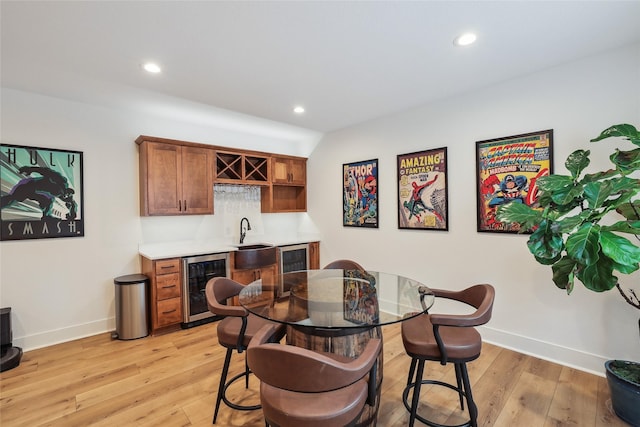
(346,62)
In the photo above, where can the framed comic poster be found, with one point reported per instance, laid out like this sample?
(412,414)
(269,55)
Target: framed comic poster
(507,171)
(422,190)
(42,193)
(360,194)
(360,298)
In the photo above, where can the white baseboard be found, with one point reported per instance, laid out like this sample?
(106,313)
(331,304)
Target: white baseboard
(543,350)
(572,358)
(57,336)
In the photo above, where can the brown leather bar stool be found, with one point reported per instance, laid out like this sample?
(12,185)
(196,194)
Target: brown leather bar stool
(235,331)
(301,387)
(446,338)
(344,264)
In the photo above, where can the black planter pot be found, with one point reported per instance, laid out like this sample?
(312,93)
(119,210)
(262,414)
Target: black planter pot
(625,395)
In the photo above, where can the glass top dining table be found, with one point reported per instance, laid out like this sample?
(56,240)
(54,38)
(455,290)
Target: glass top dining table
(336,299)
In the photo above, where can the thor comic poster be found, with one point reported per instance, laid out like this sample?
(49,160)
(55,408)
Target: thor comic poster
(360,194)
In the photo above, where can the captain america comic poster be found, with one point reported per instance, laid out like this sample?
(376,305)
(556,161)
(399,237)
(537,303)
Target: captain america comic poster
(507,172)
(422,190)
(42,194)
(360,194)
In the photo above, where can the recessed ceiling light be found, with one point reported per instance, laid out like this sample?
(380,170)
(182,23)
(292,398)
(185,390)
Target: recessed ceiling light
(152,67)
(465,39)
(298,110)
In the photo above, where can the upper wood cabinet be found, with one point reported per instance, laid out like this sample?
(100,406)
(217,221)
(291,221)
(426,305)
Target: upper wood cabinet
(177,177)
(289,170)
(175,180)
(239,168)
(288,190)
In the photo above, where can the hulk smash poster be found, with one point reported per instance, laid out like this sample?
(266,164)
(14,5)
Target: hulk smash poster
(41,193)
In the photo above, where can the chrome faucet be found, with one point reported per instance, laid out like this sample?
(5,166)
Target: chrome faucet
(243,231)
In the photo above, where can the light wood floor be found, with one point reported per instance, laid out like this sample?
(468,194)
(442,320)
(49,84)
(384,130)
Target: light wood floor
(172,380)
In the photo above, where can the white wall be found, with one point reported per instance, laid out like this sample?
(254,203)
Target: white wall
(577,101)
(61,289)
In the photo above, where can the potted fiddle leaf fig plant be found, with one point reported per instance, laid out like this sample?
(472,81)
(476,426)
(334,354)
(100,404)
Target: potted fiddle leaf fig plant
(586,226)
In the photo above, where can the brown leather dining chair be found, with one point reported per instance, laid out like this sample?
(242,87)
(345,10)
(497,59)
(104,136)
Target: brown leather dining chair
(344,264)
(446,338)
(235,331)
(300,387)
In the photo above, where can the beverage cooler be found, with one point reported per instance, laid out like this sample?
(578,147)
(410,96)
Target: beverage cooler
(198,270)
(294,258)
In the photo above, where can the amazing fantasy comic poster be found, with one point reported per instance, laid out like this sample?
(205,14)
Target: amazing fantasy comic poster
(507,171)
(360,194)
(422,190)
(41,193)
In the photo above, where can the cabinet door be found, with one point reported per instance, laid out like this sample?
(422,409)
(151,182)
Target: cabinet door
(245,276)
(176,180)
(163,184)
(280,171)
(298,171)
(197,180)
(289,171)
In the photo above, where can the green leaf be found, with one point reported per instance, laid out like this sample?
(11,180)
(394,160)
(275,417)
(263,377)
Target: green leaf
(630,211)
(563,273)
(545,245)
(631,227)
(626,161)
(625,130)
(624,183)
(583,244)
(519,213)
(566,225)
(599,276)
(551,183)
(560,188)
(577,161)
(599,176)
(620,250)
(596,193)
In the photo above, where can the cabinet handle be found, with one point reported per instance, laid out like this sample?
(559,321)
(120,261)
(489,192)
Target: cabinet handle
(170,311)
(164,267)
(168,286)
(185,205)
(179,205)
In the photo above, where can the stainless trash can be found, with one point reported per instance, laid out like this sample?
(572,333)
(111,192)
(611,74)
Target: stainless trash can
(131,306)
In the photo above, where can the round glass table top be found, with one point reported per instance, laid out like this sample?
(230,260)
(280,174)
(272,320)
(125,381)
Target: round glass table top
(336,298)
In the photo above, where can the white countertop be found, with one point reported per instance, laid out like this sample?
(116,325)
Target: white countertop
(181,249)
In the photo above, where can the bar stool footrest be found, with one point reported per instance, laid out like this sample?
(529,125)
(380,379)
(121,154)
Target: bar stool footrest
(235,405)
(405,395)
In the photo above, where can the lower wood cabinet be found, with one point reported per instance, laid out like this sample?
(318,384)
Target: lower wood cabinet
(165,299)
(247,276)
(314,255)
(165,293)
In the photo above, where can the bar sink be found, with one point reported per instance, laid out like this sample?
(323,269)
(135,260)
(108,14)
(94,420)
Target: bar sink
(254,256)
(254,246)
